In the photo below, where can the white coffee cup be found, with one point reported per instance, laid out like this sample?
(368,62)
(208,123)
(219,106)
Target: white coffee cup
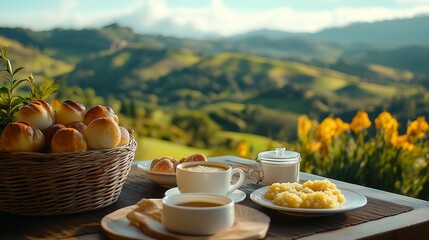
(208,177)
(197,213)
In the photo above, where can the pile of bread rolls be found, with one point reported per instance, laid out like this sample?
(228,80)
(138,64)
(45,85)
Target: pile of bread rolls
(168,164)
(63,127)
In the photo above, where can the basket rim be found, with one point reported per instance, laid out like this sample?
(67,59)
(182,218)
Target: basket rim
(131,145)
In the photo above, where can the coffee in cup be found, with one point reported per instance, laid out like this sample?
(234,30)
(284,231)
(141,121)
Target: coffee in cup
(208,177)
(197,213)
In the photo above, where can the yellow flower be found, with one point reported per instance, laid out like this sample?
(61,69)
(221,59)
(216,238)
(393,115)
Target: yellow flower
(313,146)
(326,130)
(407,146)
(304,126)
(341,126)
(388,123)
(242,149)
(401,142)
(360,122)
(418,127)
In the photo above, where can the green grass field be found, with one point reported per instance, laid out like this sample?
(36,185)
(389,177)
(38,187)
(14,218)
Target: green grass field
(256,143)
(150,148)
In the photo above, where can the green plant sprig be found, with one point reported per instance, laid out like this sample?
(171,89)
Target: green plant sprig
(10,101)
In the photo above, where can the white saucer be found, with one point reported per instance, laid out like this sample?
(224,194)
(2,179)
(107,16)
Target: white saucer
(237,195)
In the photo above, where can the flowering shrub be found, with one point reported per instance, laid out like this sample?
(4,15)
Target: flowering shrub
(384,160)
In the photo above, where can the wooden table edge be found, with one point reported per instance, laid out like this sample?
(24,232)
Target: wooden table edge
(412,222)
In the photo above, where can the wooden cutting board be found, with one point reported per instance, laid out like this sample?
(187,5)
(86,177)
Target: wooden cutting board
(249,224)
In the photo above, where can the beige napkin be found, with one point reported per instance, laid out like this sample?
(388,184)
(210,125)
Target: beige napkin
(249,224)
(150,207)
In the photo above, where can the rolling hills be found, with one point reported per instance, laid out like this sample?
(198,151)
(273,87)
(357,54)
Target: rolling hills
(257,82)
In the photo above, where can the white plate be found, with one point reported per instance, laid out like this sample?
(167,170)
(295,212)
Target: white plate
(237,195)
(117,226)
(353,201)
(164,179)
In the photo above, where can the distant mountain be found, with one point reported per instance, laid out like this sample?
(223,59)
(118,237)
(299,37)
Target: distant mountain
(413,58)
(363,42)
(387,33)
(266,33)
(397,32)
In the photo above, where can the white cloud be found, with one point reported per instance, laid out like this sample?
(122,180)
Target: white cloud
(217,18)
(155,16)
(412,1)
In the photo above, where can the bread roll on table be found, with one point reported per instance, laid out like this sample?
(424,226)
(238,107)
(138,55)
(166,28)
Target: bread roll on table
(194,158)
(164,164)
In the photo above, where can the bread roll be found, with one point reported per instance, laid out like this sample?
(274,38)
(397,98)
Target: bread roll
(102,133)
(164,164)
(49,134)
(69,111)
(80,126)
(22,137)
(194,158)
(125,136)
(99,111)
(157,160)
(68,140)
(39,113)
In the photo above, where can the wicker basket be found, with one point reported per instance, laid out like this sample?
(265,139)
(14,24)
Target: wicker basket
(63,183)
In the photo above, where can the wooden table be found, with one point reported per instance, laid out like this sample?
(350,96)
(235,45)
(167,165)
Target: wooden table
(411,224)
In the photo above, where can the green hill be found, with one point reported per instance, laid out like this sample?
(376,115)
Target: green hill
(395,32)
(412,58)
(128,71)
(256,83)
(34,61)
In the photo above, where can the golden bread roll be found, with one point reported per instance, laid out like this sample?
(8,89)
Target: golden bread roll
(68,140)
(102,133)
(99,111)
(164,164)
(68,111)
(39,113)
(80,126)
(49,134)
(22,137)
(157,160)
(194,158)
(125,136)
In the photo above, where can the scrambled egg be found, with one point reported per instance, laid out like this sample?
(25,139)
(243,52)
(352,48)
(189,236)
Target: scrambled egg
(311,194)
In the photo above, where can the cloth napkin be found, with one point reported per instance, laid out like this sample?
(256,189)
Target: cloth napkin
(149,207)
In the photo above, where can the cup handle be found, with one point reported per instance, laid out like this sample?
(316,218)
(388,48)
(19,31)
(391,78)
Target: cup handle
(251,174)
(240,181)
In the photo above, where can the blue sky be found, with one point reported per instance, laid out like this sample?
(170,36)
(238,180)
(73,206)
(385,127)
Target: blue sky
(199,17)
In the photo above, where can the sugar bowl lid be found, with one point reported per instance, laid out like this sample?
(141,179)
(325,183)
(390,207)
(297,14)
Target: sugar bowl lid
(279,155)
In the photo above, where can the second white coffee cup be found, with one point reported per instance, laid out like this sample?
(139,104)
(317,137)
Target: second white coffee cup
(207,177)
